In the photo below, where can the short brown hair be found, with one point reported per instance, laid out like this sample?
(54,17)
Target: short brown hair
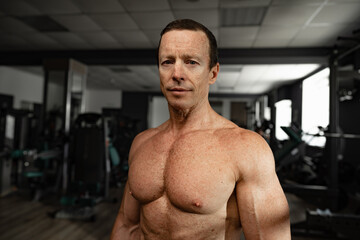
(188,24)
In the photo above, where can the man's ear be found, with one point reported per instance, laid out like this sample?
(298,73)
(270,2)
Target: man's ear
(214,71)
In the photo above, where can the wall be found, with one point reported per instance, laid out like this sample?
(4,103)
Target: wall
(95,100)
(24,86)
(158,111)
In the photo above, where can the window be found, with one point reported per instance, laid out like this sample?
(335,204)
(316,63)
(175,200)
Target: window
(283,118)
(315,106)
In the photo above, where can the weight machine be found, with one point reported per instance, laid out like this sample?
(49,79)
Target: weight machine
(331,223)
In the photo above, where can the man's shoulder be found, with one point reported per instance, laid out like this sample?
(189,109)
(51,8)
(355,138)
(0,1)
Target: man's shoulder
(248,150)
(148,135)
(145,136)
(239,136)
(251,143)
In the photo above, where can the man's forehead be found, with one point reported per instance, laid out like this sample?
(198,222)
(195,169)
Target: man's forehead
(182,38)
(185,33)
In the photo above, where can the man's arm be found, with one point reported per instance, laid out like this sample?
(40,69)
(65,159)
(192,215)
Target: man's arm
(263,208)
(126,225)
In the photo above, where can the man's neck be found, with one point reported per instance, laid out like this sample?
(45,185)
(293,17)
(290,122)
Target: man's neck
(186,120)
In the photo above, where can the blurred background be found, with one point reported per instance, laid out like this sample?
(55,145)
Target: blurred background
(79,80)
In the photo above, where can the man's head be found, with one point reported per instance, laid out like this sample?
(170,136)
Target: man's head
(188,24)
(187,64)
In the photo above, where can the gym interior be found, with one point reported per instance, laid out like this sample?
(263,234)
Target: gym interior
(79,80)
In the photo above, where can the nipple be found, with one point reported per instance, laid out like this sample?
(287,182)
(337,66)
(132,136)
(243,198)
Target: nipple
(197,204)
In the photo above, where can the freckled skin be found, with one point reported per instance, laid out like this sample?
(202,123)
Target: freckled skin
(198,175)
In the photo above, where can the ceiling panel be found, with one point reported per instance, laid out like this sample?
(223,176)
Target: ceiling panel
(231,68)
(252,73)
(271,36)
(238,32)
(13,25)
(343,1)
(140,5)
(244,3)
(237,36)
(101,40)
(131,81)
(18,8)
(55,6)
(286,72)
(260,87)
(14,42)
(316,42)
(133,39)
(227,79)
(285,15)
(70,40)
(298,2)
(321,35)
(153,20)
(93,6)
(77,22)
(210,18)
(153,35)
(339,13)
(42,41)
(114,21)
(147,73)
(273,32)
(271,43)
(200,4)
(236,43)
(243,87)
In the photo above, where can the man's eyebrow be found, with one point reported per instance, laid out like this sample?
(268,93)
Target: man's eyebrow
(188,56)
(166,56)
(184,56)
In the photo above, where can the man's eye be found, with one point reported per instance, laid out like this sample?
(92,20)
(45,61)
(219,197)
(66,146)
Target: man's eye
(166,62)
(192,62)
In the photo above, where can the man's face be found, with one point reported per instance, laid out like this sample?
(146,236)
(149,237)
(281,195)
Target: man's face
(184,68)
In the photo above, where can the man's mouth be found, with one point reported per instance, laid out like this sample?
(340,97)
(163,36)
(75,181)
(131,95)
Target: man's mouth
(178,89)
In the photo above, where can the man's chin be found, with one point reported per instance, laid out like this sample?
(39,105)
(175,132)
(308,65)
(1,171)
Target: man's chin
(179,104)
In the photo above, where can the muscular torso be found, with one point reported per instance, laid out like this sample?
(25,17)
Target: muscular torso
(185,186)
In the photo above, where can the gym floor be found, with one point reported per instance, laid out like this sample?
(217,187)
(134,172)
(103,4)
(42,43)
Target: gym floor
(21,218)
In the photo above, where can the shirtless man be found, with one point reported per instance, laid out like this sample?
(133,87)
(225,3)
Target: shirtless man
(198,175)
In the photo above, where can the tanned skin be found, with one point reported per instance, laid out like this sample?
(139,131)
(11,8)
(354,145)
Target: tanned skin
(198,175)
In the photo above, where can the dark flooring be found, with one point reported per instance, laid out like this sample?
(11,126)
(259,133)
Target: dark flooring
(21,218)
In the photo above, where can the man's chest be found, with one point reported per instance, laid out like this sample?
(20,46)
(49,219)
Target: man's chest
(194,174)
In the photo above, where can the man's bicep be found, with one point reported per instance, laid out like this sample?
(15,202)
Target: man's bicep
(263,208)
(128,218)
(130,207)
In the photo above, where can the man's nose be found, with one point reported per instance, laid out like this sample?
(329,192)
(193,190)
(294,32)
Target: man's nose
(178,74)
